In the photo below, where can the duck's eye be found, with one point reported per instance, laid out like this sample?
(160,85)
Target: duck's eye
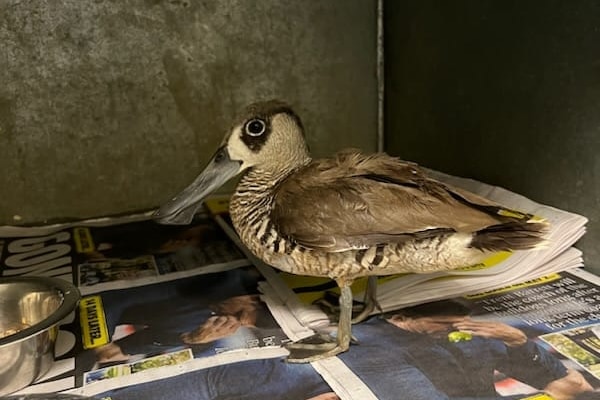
(255,127)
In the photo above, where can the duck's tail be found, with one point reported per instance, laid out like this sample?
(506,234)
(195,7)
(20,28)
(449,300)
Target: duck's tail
(512,235)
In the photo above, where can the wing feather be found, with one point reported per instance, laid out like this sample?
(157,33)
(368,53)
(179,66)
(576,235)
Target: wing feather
(355,201)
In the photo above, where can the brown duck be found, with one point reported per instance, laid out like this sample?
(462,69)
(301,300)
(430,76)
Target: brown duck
(343,217)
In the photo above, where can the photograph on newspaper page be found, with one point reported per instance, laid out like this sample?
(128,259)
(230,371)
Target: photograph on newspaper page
(203,320)
(535,340)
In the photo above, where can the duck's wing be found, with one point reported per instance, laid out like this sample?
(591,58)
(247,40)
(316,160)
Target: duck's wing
(354,201)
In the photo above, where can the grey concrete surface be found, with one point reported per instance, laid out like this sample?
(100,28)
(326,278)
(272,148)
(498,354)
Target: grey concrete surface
(111,106)
(507,92)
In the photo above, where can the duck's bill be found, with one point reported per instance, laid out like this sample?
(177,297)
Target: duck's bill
(180,209)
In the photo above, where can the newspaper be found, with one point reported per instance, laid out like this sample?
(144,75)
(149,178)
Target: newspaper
(181,312)
(538,339)
(165,311)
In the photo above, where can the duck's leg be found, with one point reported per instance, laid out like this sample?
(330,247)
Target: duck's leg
(318,347)
(330,302)
(370,301)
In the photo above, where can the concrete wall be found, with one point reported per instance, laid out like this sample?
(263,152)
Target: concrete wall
(110,106)
(507,92)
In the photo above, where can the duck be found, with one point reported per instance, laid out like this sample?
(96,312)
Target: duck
(344,217)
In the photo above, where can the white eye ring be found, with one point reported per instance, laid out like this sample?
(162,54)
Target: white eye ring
(255,127)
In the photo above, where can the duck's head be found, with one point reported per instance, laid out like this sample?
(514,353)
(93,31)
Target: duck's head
(267,136)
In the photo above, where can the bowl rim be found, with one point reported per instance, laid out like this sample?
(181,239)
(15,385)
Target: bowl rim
(70,295)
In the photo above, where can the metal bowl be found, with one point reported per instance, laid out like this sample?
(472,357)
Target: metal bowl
(31,309)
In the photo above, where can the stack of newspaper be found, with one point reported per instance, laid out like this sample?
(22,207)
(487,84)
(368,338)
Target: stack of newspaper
(188,313)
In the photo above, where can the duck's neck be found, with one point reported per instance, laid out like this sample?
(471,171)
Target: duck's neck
(258,181)
(252,202)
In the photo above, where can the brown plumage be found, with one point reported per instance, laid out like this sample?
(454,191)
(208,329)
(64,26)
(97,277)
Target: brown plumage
(347,216)
(389,201)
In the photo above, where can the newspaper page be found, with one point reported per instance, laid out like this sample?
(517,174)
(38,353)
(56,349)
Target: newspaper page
(165,311)
(538,339)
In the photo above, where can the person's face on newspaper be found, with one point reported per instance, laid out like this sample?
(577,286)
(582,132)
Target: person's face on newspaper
(244,308)
(436,326)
